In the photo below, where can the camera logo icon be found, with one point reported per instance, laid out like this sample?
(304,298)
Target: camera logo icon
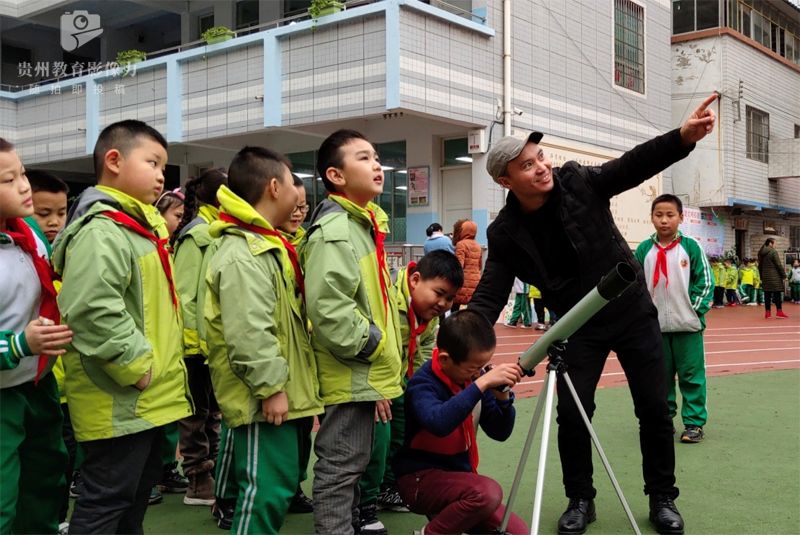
(78,28)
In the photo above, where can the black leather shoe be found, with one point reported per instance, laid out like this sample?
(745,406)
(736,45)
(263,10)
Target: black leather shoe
(579,514)
(665,516)
(301,503)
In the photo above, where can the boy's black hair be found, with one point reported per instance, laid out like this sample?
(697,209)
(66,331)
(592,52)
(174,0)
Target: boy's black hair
(769,241)
(667,197)
(6,146)
(251,170)
(433,227)
(44,181)
(441,264)
(465,331)
(330,154)
(123,136)
(297,181)
(201,188)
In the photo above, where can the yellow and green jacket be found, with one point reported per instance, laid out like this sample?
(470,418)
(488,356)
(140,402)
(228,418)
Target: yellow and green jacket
(255,323)
(116,299)
(731,278)
(191,264)
(718,270)
(747,275)
(356,339)
(427,339)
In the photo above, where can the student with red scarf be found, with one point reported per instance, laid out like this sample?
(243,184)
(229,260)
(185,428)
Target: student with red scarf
(32,453)
(437,469)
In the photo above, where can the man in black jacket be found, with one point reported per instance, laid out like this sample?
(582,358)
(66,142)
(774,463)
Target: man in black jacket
(557,233)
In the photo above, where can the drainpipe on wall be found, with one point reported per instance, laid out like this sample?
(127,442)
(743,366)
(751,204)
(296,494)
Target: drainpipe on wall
(506,67)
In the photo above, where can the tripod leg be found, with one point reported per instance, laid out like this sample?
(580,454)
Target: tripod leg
(548,413)
(523,460)
(602,454)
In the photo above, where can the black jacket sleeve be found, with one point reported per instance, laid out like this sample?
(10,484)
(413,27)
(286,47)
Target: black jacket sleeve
(638,164)
(492,292)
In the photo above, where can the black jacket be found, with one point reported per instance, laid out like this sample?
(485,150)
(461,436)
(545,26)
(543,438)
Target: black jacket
(584,211)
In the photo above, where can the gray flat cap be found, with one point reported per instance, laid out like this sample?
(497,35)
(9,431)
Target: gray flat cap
(505,150)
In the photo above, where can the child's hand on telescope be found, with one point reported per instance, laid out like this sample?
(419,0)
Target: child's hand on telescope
(498,376)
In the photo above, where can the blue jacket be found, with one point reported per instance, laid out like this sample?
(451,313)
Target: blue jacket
(430,405)
(434,243)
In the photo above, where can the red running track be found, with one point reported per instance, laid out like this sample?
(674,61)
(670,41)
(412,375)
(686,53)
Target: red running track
(737,340)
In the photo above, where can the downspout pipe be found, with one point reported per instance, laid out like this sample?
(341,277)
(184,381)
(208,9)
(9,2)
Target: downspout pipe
(506,67)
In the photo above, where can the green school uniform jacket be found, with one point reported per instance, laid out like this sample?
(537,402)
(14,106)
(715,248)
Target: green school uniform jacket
(191,264)
(718,270)
(116,299)
(427,339)
(683,302)
(255,323)
(356,337)
(731,278)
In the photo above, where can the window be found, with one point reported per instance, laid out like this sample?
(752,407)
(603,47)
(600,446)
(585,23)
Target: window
(629,45)
(757,135)
(456,152)
(246,13)
(692,15)
(794,236)
(204,22)
(797,131)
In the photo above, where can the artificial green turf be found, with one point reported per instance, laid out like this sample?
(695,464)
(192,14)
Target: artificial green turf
(743,479)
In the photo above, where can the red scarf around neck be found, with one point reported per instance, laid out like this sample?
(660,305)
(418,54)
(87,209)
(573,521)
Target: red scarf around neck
(161,246)
(291,251)
(23,237)
(413,330)
(661,262)
(467,426)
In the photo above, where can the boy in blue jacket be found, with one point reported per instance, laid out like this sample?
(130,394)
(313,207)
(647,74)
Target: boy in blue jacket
(437,468)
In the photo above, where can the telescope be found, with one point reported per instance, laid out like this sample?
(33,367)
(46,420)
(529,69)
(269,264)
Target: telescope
(610,287)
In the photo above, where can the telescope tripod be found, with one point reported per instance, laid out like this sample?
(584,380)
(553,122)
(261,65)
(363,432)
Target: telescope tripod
(555,367)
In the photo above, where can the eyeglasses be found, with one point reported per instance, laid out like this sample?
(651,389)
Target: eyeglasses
(302,208)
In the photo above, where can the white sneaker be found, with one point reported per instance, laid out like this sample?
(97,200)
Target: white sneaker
(63,528)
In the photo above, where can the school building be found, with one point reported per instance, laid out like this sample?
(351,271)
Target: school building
(425,81)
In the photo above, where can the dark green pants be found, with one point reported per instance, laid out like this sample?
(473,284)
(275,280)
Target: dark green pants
(171,436)
(266,461)
(32,457)
(684,357)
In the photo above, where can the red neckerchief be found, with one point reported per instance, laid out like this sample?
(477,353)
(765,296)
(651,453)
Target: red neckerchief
(661,262)
(413,330)
(380,252)
(23,237)
(292,252)
(161,246)
(467,427)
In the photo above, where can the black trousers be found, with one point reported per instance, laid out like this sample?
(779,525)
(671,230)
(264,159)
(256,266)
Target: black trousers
(636,338)
(773,297)
(118,474)
(719,294)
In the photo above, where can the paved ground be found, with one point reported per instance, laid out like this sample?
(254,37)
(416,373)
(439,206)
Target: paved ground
(737,340)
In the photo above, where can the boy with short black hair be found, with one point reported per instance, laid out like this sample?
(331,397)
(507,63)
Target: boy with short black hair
(437,468)
(49,202)
(262,366)
(125,377)
(680,282)
(355,324)
(32,454)
(423,291)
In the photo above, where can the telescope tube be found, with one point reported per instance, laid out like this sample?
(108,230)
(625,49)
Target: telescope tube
(610,286)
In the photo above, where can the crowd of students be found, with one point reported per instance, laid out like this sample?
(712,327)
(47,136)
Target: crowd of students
(171,311)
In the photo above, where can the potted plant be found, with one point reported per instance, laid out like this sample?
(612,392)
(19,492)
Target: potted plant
(217,34)
(320,8)
(126,57)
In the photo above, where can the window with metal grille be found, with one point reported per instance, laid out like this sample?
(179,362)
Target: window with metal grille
(629,45)
(794,236)
(757,135)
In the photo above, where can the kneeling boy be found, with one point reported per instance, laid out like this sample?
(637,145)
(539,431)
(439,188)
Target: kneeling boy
(437,467)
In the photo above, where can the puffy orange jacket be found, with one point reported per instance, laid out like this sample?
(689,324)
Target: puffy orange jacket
(468,252)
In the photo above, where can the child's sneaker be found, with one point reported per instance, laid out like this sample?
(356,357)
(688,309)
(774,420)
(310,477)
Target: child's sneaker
(301,503)
(511,325)
(63,528)
(692,434)
(172,481)
(368,521)
(155,496)
(222,511)
(389,500)
(76,487)
(781,314)
(200,490)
